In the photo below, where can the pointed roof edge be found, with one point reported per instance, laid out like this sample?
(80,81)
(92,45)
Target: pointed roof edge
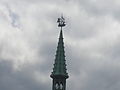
(60,69)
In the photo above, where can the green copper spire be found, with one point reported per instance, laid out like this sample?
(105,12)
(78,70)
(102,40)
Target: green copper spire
(60,62)
(59,74)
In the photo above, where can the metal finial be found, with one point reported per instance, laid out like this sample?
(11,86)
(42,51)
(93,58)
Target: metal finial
(61,22)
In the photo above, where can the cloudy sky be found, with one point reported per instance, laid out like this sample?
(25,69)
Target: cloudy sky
(29,36)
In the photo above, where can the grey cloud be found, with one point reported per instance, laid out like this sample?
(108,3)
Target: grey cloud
(17,80)
(103,78)
(101,7)
(92,63)
(14,18)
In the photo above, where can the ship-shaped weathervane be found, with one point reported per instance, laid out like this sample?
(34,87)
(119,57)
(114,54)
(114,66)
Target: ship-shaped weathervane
(61,22)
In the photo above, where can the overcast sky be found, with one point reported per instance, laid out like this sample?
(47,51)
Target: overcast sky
(29,37)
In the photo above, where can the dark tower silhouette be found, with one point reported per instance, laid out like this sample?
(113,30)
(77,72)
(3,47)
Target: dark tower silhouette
(59,74)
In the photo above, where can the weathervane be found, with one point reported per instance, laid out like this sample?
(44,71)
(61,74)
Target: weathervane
(61,22)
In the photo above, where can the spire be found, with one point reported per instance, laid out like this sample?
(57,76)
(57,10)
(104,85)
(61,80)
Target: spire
(59,68)
(60,62)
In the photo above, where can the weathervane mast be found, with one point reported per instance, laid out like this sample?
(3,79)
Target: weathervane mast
(61,22)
